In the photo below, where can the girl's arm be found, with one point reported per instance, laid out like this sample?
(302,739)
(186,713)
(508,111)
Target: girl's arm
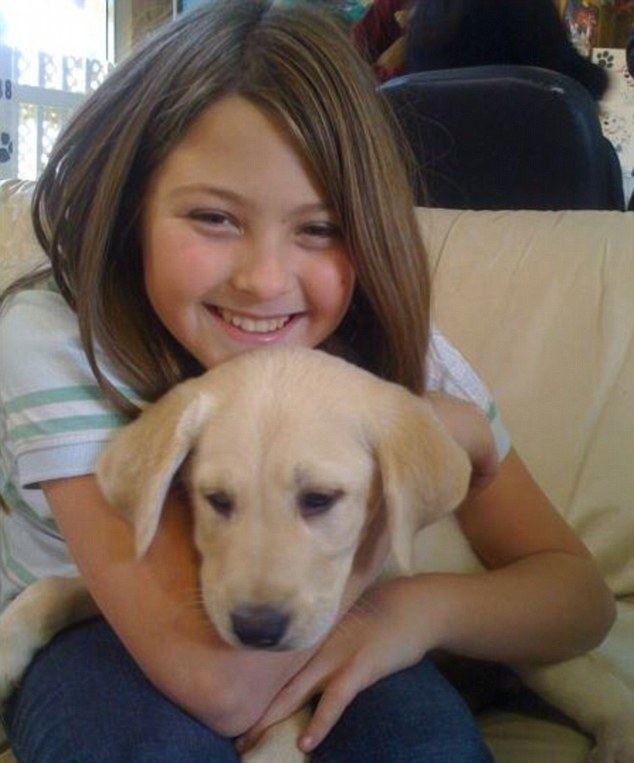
(152,604)
(541,578)
(543,598)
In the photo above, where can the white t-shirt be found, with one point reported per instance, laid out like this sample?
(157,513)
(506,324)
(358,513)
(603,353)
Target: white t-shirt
(54,422)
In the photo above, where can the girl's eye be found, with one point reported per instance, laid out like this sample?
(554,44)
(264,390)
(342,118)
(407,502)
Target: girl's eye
(217,220)
(321,230)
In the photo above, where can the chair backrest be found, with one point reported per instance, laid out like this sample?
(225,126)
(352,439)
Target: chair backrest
(506,137)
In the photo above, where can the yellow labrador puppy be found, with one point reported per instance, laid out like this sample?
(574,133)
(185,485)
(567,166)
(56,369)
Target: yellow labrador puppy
(287,454)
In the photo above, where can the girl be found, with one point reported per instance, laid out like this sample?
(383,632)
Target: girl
(235,183)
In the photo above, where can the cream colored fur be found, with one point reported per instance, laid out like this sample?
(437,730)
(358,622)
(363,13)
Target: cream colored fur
(264,429)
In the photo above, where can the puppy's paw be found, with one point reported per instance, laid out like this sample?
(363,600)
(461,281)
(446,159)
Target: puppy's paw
(33,618)
(16,652)
(270,751)
(20,639)
(280,742)
(262,754)
(615,743)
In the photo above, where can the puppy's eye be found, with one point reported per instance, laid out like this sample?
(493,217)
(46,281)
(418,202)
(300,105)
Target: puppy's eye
(220,502)
(312,503)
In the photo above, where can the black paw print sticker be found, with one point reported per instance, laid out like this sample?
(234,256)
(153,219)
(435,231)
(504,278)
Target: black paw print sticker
(6,147)
(605,59)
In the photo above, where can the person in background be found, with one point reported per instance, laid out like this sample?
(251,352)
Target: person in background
(445,34)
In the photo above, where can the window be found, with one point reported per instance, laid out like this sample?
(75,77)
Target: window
(52,54)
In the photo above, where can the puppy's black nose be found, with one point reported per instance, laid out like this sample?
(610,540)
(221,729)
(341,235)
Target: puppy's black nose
(259,626)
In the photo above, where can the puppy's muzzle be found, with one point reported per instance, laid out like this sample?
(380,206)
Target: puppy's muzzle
(259,626)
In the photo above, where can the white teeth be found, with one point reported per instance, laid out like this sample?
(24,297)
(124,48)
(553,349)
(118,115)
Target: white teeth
(251,325)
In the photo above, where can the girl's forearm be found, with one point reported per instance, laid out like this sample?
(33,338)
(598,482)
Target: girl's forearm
(546,607)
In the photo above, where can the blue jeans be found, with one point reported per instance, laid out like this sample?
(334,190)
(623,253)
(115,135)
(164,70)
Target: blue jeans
(84,700)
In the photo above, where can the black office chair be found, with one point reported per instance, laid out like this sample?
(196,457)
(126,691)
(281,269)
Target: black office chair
(506,137)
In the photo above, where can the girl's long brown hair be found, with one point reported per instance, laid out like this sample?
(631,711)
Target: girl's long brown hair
(299,64)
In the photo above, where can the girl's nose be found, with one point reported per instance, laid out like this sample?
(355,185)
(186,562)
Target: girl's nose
(263,273)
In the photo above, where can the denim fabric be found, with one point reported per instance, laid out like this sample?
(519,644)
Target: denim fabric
(83,700)
(414,716)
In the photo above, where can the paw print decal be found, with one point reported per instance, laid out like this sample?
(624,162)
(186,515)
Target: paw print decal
(6,147)
(605,59)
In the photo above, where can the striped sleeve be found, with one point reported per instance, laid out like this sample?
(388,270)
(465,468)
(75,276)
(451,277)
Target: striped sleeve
(448,371)
(55,417)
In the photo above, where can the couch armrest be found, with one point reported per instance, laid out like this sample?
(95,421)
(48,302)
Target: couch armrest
(19,249)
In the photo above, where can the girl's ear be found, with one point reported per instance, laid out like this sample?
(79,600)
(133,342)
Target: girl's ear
(424,472)
(137,466)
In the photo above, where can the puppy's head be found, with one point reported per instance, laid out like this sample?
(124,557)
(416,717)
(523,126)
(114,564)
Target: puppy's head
(287,452)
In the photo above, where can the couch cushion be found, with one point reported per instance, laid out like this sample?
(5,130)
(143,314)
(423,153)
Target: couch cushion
(19,250)
(514,738)
(541,303)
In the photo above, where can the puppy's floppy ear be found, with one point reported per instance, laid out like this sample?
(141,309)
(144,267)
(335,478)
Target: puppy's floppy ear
(424,472)
(137,466)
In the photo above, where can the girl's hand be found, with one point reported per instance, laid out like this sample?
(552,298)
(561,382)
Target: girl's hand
(471,430)
(382,634)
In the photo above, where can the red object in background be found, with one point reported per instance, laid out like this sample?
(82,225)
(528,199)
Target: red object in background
(378,29)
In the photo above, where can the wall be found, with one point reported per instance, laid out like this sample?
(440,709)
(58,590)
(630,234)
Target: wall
(136,18)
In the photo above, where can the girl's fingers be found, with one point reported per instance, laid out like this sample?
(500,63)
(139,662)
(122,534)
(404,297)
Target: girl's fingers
(338,692)
(247,741)
(294,695)
(337,695)
(280,709)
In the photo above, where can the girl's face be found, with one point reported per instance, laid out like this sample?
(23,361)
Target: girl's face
(239,246)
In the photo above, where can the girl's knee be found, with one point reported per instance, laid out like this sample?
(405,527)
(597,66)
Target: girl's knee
(412,715)
(84,700)
(41,737)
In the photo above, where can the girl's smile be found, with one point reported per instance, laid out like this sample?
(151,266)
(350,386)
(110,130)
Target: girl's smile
(252,328)
(240,247)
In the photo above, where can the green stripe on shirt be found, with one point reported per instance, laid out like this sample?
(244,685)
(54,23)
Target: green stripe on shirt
(67,424)
(60,395)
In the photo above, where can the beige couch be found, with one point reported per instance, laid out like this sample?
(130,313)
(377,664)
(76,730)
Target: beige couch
(542,304)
